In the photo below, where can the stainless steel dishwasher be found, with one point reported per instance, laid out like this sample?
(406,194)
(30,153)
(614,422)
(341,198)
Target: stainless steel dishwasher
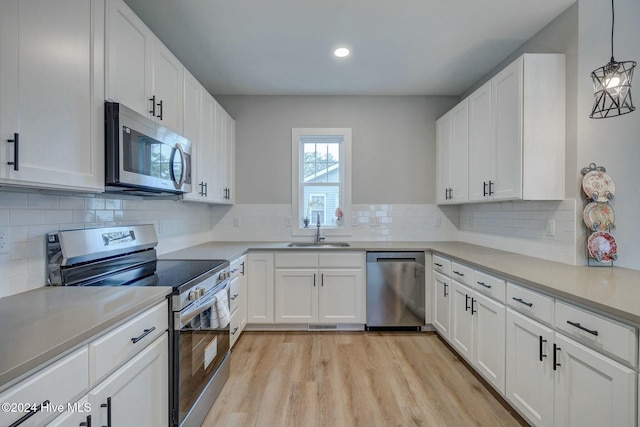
(395,291)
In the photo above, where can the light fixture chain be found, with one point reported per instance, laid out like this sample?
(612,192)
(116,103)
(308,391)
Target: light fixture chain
(613,23)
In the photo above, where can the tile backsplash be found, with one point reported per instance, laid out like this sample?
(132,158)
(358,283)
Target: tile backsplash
(541,229)
(26,218)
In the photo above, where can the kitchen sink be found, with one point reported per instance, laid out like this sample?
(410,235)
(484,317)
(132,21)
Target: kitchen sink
(319,245)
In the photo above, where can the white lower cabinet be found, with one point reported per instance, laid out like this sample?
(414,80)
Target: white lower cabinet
(260,267)
(441,304)
(137,393)
(307,293)
(76,414)
(591,389)
(478,332)
(529,368)
(238,286)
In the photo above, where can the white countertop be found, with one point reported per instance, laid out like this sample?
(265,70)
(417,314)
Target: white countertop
(614,291)
(44,324)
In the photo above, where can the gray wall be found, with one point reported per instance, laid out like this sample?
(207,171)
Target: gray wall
(393,147)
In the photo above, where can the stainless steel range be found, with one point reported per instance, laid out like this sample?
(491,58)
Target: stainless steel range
(199,318)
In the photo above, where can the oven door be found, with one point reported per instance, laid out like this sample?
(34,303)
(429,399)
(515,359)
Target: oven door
(201,342)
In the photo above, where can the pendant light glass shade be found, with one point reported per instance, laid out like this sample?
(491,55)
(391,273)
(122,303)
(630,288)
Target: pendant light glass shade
(612,85)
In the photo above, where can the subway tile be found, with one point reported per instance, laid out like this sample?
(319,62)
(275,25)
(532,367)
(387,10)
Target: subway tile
(43,201)
(26,216)
(71,202)
(4,217)
(83,216)
(57,216)
(94,203)
(104,216)
(10,200)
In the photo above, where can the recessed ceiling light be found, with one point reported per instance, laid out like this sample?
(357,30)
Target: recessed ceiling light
(341,52)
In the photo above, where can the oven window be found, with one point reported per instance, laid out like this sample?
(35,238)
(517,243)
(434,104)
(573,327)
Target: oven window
(145,156)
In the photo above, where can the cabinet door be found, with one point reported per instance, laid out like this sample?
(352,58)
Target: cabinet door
(506,98)
(190,125)
(129,58)
(206,138)
(342,296)
(167,87)
(591,389)
(481,145)
(219,175)
(260,288)
(137,394)
(51,84)
(489,339)
(529,370)
(296,295)
(444,156)
(460,153)
(441,304)
(230,155)
(461,333)
(242,306)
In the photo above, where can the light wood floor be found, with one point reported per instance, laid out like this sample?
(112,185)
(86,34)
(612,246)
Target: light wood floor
(334,379)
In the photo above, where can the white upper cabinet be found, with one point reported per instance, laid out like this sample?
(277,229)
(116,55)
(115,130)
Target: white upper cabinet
(141,72)
(223,156)
(517,132)
(52,94)
(452,145)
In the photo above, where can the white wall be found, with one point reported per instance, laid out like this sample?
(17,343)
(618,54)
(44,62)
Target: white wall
(613,142)
(393,144)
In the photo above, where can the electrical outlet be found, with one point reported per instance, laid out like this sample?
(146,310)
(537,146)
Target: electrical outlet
(437,221)
(5,240)
(551,227)
(287,222)
(354,221)
(374,221)
(236,221)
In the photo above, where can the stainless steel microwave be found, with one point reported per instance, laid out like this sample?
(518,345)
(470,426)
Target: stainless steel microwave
(143,157)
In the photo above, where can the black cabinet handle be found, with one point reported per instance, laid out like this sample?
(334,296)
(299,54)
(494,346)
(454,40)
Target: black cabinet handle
(322,279)
(16,151)
(473,300)
(314,280)
(206,189)
(484,284)
(234,331)
(29,414)
(446,294)
(542,341)
(144,334)
(555,357)
(161,109)
(108,406)
(153,105)
(528,304)
(86,423)
(579,326)
(491,187)
(484,188)
(466,302)
(437,265)
(242,271)
(459,274)
(234,297)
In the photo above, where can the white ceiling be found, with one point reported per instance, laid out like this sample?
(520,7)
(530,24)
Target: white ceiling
(401,47)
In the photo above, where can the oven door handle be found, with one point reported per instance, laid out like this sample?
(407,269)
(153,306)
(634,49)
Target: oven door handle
(190,314)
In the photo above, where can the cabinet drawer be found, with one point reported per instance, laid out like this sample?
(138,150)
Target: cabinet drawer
(489,285)
(598,332)
(116,347)
(234,267)
(442,265)
(234,295)
(461,273)
(296,260)
(234,327)
(60,383)
(342,260)
(531,303)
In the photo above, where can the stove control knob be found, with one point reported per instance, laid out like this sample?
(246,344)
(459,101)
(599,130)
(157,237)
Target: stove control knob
(221,275)
(193,295)
(201,292)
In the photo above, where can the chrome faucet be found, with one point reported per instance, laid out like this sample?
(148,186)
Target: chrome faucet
(318,237)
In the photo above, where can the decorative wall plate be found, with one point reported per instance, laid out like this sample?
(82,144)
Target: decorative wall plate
(598,186)
(599,216)
(602,247)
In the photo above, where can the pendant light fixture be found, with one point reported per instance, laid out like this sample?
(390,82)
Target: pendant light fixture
(612,85)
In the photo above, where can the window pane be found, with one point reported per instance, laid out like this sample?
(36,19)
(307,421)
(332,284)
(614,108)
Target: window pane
(321,162)
(321,200)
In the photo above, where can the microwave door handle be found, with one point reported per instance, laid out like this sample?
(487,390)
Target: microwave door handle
(178,182)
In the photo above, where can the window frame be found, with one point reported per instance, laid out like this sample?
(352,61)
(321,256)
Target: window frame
(297,184)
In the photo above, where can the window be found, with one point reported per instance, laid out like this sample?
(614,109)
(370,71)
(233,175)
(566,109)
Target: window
(321,186)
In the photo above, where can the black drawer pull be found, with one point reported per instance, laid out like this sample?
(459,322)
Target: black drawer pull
(528,304)
(579,326)
(144,334)
(484,284)
(108,406)
(86,423)
(234,297)
(556,349)
(446,294)
(466,302)
(459,274)
(472,301)
(437,265)
(29,414)
(234,331)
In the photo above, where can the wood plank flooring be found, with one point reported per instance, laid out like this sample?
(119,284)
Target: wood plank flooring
(352,379)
